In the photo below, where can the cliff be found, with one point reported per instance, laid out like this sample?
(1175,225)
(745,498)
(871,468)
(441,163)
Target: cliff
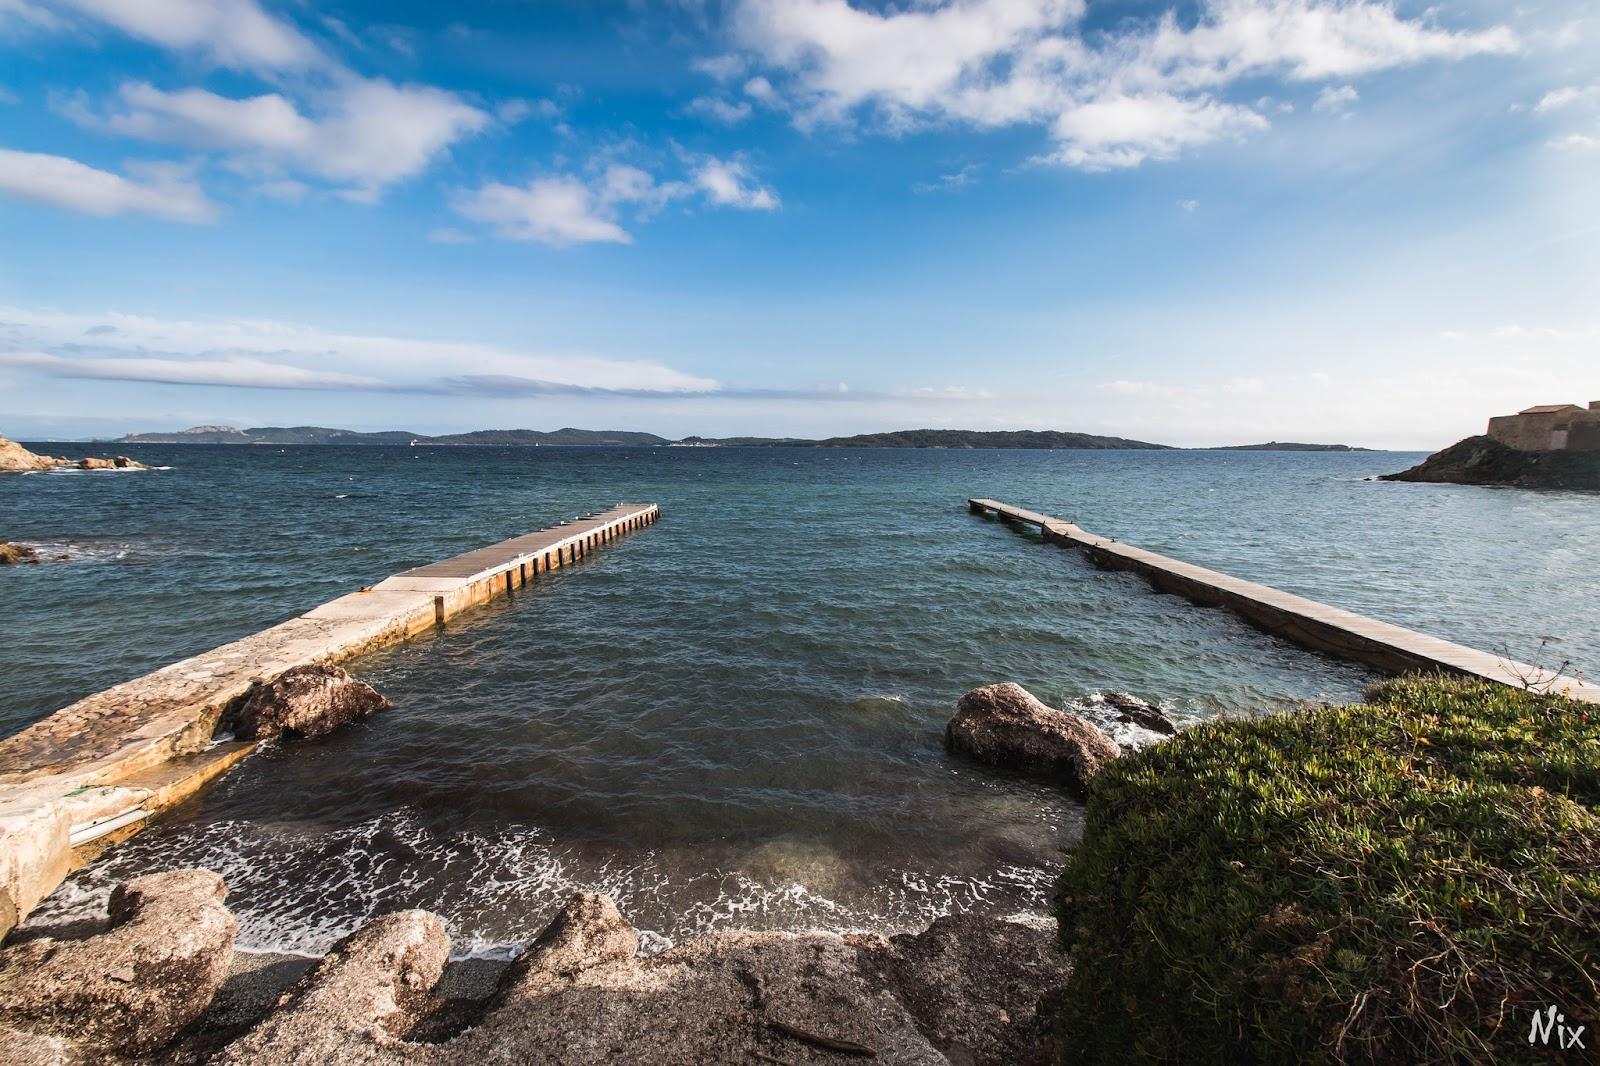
(1485,461)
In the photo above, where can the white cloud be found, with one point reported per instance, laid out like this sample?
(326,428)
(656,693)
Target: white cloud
(719,110)
(1576,142)
(230,33)
(729,183)
(955,179)
(1336,99)
(1189,206)
(237,372)
(286,190)
(558,211)
(1112,98)
(567,209)
(450,235)
(1124,131)
(365,133)
(1568,96)
(267,354)
(164,191)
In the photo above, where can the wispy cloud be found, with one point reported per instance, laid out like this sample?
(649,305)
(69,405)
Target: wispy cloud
(229,33)
(164,191)
(252,353)
(950,182)
(1569,96)
(362,134)
(1108,99)
(568,209)
(1338,99)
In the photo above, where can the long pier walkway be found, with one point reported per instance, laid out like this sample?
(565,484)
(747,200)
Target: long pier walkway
(106,764)
(1387,647)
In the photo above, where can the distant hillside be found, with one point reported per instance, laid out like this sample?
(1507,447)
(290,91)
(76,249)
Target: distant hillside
(1282,446)
(320,435)
(932,438)
(969,438)
(905,438)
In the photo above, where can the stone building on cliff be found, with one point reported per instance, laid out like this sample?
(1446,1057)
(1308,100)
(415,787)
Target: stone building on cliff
(1551,427)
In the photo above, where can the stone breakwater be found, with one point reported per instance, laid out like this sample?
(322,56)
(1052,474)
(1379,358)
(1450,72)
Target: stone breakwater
(95,771)
(154,987)
(1390,648)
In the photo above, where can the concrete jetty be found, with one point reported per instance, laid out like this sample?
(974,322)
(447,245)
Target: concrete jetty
(1390,648)
(96,771)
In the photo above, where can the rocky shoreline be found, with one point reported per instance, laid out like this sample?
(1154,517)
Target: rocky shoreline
(1485,461)
(15,459)
(160,981)
(162,984)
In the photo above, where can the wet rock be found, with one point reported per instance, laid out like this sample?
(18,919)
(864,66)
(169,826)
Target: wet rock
(360,1001)
(974,985)
(723,998)
(121,462)
(17,553)
(131,988)
(308,701)
(965,991)
(588,932)
(1005,725)
(1133,710)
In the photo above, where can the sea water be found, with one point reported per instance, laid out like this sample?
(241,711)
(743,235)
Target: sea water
(733,718)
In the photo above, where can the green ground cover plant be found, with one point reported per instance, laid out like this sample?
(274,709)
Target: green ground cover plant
(1403,880)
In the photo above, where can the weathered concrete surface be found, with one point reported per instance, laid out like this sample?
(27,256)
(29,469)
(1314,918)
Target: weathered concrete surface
(967,991)
(1006,725)
(76,767)
(130,989)
(307,701)
(1387,647)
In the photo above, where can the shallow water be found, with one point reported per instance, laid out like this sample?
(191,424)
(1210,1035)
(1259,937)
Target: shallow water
(732,718)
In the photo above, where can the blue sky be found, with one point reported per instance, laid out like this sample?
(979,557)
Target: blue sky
(1199,223)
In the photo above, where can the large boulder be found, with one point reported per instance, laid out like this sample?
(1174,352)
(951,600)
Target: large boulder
(121,462)
(17,553)
(130,989)
(1005,725)
(14,458)
(307,701)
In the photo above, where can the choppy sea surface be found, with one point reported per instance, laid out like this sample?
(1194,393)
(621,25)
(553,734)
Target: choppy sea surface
(731,719)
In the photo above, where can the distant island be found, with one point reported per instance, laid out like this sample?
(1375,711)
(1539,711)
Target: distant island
(1285,446)
(569,437)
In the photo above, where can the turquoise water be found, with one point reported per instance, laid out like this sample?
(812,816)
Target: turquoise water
(731,718)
